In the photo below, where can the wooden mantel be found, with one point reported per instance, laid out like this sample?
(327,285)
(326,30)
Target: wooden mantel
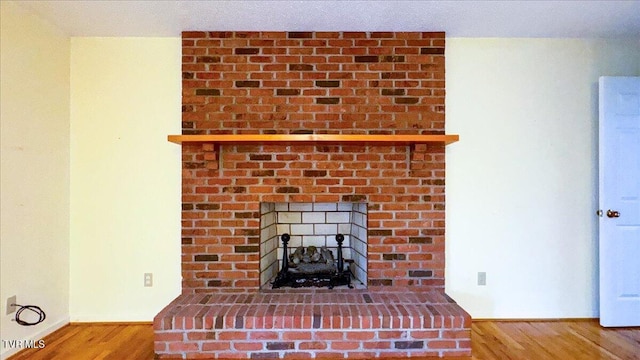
(213,159)
(314,138)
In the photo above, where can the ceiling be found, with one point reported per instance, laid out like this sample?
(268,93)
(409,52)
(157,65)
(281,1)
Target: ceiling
(556,19)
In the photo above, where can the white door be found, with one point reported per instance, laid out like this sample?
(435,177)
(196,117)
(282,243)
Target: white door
(619,175)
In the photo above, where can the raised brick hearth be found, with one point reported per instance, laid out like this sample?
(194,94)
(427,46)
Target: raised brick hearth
(301,83)
(313,324)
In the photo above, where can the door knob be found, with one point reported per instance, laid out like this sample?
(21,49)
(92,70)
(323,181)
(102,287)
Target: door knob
(613,213)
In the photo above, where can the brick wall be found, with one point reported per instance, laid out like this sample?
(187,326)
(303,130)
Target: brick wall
(312,82)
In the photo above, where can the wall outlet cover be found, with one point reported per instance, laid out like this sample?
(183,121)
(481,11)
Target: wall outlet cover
(11,307)
(482,278)
(148,279)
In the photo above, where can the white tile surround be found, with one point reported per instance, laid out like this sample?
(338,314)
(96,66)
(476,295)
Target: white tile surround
(314,224)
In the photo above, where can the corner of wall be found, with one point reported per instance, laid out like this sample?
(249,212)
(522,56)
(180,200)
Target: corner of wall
(34,224)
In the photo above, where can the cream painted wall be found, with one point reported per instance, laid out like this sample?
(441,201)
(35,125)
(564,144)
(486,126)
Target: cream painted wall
(125,177)
(521,183)
(34,171)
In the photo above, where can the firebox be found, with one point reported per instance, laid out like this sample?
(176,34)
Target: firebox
(312,231)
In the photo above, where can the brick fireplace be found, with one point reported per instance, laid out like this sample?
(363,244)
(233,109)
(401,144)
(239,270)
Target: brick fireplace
(312,83)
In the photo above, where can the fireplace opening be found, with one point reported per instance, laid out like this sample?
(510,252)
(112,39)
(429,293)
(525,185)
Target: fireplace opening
(312,230)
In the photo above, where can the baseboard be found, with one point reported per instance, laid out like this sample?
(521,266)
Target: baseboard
(6,353)
(535,320)
(111,323)
(110,318)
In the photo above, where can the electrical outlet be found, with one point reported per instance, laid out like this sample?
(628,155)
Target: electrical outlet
(148,279)
(482,278)
(11,305)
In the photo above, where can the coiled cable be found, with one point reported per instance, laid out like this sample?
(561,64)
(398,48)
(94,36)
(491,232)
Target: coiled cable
(33,308)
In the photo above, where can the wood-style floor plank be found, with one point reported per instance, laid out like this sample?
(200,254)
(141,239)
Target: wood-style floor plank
(95,341)
(491,340)
(553,340)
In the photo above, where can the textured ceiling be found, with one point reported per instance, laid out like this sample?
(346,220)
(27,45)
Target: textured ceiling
(457,18)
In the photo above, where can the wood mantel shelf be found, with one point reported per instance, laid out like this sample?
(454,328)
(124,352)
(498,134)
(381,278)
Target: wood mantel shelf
(314,138)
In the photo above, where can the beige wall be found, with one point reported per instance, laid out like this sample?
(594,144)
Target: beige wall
(34,188)
(125,177)
(522,181)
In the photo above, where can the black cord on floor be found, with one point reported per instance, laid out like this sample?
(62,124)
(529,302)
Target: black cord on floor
(35,309)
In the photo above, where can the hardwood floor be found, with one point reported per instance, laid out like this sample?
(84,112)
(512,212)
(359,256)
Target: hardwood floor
(491,340)
(95,341)
(546,340)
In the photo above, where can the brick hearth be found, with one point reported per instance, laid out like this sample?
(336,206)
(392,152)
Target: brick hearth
(323,83)
(313,323)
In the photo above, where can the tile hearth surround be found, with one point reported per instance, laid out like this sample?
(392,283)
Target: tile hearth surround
(312,82)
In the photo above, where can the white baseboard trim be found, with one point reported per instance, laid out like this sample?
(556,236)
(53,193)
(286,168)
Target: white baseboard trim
(110,318)
(7,352)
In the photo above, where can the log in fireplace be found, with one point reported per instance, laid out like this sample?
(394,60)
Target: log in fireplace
(308,267)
